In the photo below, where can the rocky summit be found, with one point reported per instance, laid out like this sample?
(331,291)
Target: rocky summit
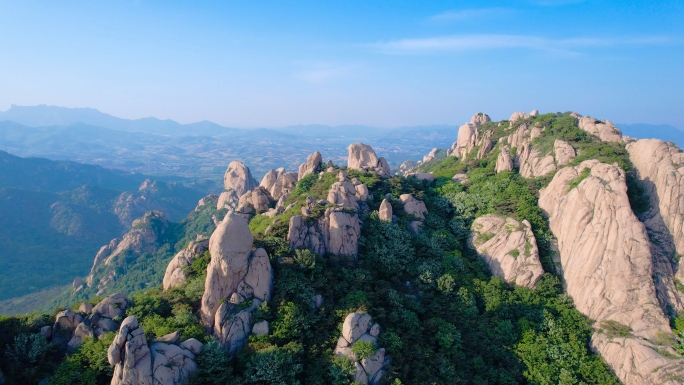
(541,249)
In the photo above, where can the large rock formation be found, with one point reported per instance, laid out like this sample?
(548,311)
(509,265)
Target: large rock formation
(236,181)
(607,266)
(416,208)
(602,129)
(162,363)
(144,237)
(343,193)
(406,166)
(480,118)
(70,327)
(153,195)
(360,327)
(257,200)
(564,152)
(509,248)
(363,158)
(385,212)
(660,170)
(530,161)
(312,164)
(469,137)
(174,275)
(517,115)
(336,232)
(504,161)
(236,274)
(431,155)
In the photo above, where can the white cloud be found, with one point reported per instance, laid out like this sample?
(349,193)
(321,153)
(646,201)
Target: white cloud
(489,42)
(470,14)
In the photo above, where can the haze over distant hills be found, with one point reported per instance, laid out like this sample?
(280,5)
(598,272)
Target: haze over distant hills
(199,150)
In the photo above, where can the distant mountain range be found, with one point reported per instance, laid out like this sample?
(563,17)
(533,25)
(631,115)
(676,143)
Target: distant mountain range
(660,131)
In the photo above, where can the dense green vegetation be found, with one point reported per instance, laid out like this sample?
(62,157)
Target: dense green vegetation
(444,317)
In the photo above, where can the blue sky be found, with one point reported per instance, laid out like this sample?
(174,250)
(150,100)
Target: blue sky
(390,63)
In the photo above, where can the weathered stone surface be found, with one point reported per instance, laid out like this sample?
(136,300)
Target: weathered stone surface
(335,232)
(343,194)
(171,364)
(480,118)
(344,233)
(234,275)
(467,136)
(359,327)
(283,185)
(67,320)
(504,161)
(312,165)
(413,206)
(517,115)
(564,152)
(660,171)
(174,275)
(362,192)
(509,248)
(46,331)
(238,180)
(431,155)
(363,158)
(85,308)
(260,328)
(602,129)
(112,307)
(257,200)
(531,163)
(270,178)
(385,211)
(534,113)
(192,345)
(170,338)
(136,363)
(130,355)
(606,262)
(460,178)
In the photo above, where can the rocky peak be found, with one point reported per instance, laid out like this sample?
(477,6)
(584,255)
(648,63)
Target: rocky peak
(509,248)
(363,158)
(312,165)
(608,266)
(235,274)
(602,129)
(236,181)
(517,115)
(360,327)
(480,118)
(174,275)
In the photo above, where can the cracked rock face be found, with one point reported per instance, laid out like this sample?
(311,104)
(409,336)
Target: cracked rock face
(235,274)
(142,238)
(360,327)
(467,135)
(174,275)
(257,200)
(236,181)
(607,264)
(509,248)
(504,161)
(660,168)
(336,232)
(312,165)
(343,194)
(415,207)
(363,158)
(564,152)
(602,129)
(162,363)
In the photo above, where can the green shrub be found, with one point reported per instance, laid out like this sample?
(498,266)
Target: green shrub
(363,349)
